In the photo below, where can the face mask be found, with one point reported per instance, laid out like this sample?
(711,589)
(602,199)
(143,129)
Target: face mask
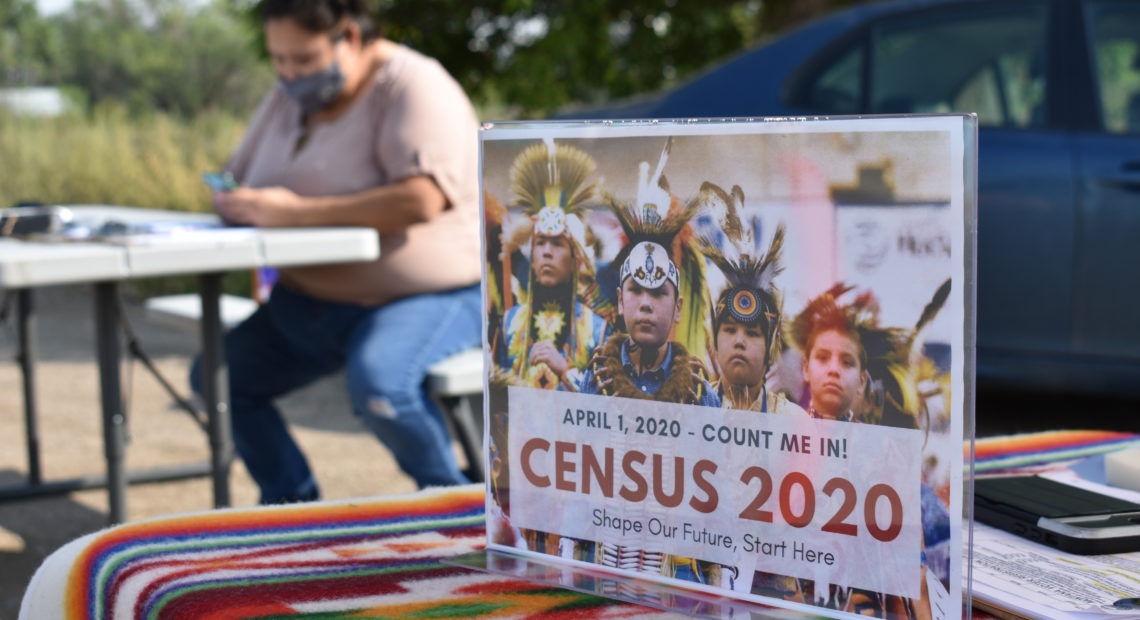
(315,92)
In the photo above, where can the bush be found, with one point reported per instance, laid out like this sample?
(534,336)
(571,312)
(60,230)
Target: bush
(112,158)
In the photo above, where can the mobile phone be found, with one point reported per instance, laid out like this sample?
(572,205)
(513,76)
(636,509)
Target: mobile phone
(1060,515)
(220,181)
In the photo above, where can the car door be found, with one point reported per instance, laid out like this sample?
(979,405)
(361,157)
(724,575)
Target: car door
(1108,165)
(991,58)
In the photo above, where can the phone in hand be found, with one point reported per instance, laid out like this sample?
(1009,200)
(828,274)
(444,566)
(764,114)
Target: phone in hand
(220,181)
(1060,515)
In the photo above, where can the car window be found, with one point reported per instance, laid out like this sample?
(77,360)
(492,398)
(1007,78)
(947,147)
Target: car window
(988,58)
(1114,39)
(839,88)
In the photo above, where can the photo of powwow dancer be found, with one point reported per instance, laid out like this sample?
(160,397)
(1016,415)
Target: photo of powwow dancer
(859,371)
(546,338)
(641,360)
(747,313)
(747,326)
(644,359)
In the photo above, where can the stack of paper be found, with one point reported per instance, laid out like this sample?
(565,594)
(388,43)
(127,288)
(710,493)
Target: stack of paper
(1017,578)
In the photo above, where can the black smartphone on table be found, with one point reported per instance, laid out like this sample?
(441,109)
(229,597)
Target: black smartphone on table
(1060,515)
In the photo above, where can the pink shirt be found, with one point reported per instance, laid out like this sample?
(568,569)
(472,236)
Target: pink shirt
(413,120)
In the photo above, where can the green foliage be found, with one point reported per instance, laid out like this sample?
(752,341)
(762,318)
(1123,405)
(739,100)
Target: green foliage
(238,283)
(536,56)
(161,55)
(539,55)
(29,46)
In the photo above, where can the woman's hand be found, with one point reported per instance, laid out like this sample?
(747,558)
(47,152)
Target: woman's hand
(264,207)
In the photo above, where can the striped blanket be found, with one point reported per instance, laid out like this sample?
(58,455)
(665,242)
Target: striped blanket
(376,558)
(1045,450)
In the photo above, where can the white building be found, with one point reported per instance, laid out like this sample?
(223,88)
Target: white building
(33,101)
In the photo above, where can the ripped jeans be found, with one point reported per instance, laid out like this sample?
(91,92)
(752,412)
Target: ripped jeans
(294,340)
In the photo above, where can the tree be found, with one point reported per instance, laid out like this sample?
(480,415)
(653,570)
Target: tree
(539,55)
(161,55)
(28,45)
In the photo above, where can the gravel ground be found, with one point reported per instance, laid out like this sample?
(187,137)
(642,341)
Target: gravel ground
(349,462)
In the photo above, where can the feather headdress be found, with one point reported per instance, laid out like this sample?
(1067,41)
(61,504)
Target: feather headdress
(750,296)
(655,215)
(493,214)
(651,223)
(550,174)
(548,182)
(660,249)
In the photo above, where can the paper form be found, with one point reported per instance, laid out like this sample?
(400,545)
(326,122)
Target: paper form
(1038,581)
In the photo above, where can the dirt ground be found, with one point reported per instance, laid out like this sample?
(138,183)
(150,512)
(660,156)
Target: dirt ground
(349,462)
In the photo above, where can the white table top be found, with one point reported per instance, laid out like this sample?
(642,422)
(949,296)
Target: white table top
(165,243)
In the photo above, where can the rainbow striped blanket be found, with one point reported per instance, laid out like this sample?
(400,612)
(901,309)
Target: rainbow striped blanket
(377,558)
(373,558)
(1045,450)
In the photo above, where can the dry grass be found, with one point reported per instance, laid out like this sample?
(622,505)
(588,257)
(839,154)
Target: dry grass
(110,157)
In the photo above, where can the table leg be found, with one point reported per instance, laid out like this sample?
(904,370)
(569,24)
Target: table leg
(26,355)
(215,386)
(109,355)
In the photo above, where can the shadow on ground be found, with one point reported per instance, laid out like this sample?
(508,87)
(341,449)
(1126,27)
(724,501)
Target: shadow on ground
(65,332)
(30,530)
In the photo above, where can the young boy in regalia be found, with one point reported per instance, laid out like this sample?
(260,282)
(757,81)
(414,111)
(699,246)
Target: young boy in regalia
(747,313)
(547,338)
(641,361)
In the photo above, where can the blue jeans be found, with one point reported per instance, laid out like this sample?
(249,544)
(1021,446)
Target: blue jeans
(294,340)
